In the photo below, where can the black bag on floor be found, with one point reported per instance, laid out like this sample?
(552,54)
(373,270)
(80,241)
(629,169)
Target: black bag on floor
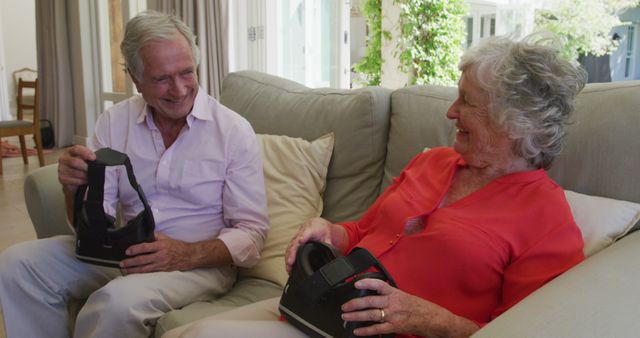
(98,241)
(46,134)
(321,281)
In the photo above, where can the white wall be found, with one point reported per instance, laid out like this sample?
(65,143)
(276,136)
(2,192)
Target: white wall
(18,26)
(391,76)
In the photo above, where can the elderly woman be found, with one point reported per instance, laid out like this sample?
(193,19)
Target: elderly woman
(467,231)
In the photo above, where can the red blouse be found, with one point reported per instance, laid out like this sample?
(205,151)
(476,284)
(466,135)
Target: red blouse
(480,255)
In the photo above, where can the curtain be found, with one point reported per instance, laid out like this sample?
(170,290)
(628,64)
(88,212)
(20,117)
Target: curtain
(209,21)
(54,69)
(183,9)
(217,56)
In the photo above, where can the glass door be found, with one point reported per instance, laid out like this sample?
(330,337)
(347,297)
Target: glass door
(305,41)
(113,81)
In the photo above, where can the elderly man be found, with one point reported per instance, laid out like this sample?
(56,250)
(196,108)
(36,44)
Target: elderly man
(200,167)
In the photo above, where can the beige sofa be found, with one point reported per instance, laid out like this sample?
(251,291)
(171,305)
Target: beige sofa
(377,131)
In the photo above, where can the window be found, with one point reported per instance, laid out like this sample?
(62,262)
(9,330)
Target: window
(469,24)
(302,40)
(114,79)
(113,82)
(487,25)
(492,26)
(100,27)
(628,65)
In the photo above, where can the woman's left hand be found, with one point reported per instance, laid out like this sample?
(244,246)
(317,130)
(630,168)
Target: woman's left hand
(399,312)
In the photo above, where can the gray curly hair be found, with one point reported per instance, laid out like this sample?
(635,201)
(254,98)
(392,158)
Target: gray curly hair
(152,25)
(532,91)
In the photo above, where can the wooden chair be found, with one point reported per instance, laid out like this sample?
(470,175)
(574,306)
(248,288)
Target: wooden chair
(27,74)
(21,127)
(28,94)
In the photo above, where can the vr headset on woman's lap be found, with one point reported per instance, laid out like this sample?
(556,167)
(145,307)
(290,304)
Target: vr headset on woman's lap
(98,240)
(321,281)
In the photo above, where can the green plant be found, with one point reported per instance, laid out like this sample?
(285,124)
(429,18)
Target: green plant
(371,64)
(583,26)
(431,38)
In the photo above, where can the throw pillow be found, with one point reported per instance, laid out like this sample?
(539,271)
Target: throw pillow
(295,171)
(601,220)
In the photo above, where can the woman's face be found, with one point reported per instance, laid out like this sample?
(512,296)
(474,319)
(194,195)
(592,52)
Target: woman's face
(479,140)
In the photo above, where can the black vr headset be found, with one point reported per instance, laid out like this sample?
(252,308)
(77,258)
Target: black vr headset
(321,280)
(98,241)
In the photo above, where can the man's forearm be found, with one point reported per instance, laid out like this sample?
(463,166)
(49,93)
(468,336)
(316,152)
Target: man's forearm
(209,254)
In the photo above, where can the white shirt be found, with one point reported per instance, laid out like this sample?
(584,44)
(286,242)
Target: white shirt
(208,184)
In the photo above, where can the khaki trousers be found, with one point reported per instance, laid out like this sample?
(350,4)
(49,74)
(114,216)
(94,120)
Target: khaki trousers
(38,278)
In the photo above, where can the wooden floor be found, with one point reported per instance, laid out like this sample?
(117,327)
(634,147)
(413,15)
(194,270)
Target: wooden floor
(15,225)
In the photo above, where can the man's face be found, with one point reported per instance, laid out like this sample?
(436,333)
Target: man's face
(169,83)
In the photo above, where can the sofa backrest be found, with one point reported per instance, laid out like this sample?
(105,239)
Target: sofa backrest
(602,155)
(374,127)
(358,118)
(417,121)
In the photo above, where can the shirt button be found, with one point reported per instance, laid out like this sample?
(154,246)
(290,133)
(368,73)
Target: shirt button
(390,242)
(155,210)
(397,235)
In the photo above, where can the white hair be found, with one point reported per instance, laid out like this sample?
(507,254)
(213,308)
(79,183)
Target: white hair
(532,91)
(152,25)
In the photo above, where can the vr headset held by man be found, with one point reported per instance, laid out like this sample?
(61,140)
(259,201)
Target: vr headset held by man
(321,280)
(98,240)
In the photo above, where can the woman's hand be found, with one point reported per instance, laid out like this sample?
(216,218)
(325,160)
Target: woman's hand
(315,229)
(399,312)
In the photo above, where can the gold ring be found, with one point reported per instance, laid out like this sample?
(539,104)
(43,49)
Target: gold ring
(382,315)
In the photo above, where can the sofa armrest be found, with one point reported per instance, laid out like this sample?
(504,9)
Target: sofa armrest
(597,298)
(45,202)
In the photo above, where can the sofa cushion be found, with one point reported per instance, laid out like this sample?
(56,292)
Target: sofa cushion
(601,220)
(417,121)
(358,118)
(294,172)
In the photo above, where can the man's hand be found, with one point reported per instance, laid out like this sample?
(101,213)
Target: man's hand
(168,254)
(72,173)
(72,168)
(165,254)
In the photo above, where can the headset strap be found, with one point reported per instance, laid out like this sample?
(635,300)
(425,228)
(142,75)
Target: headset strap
(337,271)
(105,157)
(93,204)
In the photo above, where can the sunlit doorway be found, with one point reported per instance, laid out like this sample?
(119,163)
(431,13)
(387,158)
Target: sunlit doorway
(306,41)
